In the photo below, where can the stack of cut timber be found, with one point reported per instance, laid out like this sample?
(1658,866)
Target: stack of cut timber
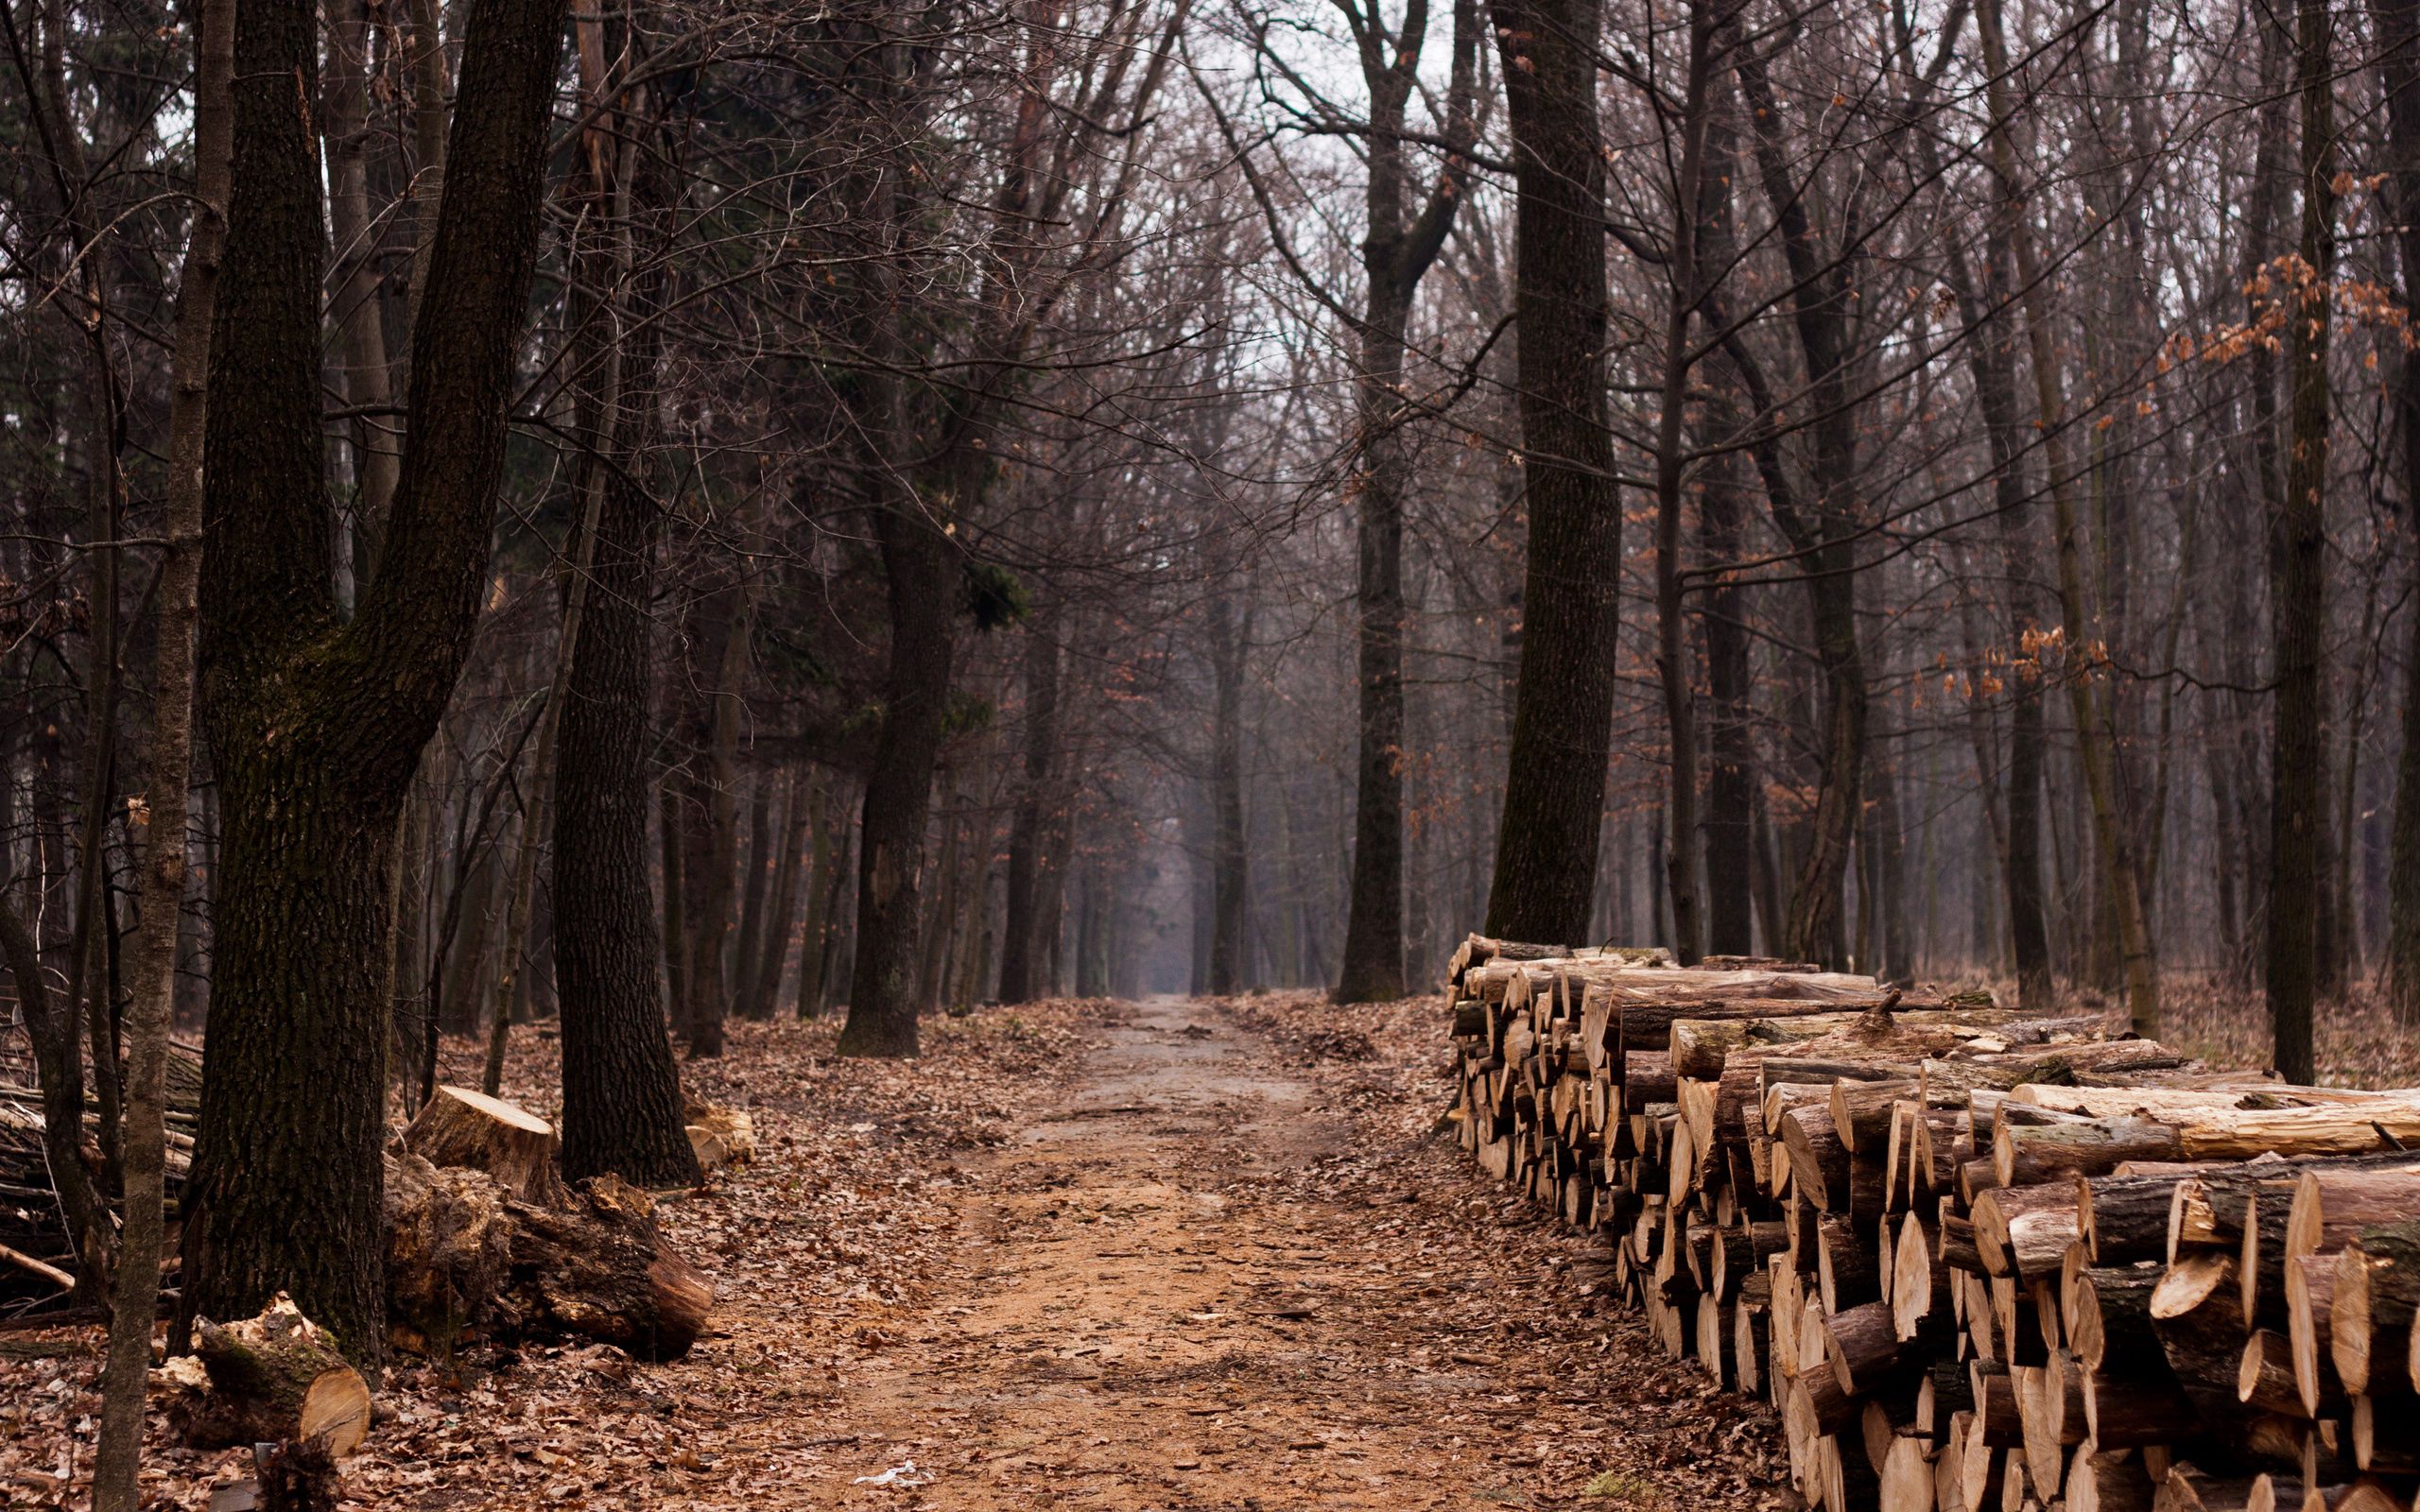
(1975,1259)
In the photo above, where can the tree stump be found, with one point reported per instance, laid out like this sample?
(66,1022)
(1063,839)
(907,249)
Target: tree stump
(467,1128)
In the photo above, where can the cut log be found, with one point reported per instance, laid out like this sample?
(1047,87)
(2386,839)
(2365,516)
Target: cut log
(1862,1111)
(2386,1434)
(2108,1479)
(462,1127)
(2023,1155)
(2187,1490)
(2265,1380)
(2137,1414)
(2051,1412)
(2375,1295)
(721,1137)
(2310,1286)
(2109,1317)
(272,1379)
(449,1251)
(1908,1477)
(1919,1280)
(2025,1231)
(1848,1267)
(2125,1217)
(1864,1349)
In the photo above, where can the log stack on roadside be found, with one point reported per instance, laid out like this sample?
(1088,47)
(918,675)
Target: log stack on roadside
(1978,1261)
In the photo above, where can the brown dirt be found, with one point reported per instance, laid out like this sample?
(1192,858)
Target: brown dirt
(1176,1254)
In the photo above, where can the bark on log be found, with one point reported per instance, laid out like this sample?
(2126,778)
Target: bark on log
(598,1267)
(2376,1296)
(271,1379)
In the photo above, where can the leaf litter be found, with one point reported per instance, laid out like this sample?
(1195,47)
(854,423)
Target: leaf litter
(1175,1254)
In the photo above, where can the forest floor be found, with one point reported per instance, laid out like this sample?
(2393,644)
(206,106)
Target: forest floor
(1127,1256)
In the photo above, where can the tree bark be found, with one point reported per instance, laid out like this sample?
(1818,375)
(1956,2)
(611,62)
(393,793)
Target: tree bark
(1674,665)
(354,295)
(922,567)
(824,879)
(1020,982)
(1545,855)
(2112,834)
(316,723)
(2397,24)
(1824,534)
(1230,863)
(622,1107)
(764,836)
(782,912)
(2298,753)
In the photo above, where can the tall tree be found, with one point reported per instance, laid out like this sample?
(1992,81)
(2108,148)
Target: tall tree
(1675,667)
(622,1104)
(134,1288)
(2298,755)
(1400,242)
(1554,790)
(317,721)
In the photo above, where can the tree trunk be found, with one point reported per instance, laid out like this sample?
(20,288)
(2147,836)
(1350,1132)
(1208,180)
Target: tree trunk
(1373,968)
(1730,779)
(921,565)
(676,918)
(823,902)
(1825,533)
(781,918)
(357,306)
(135,1291)
(942,919)
(316,723)
(1229,861)
(1019,946)
(1675,667)
(1396,253)
(1546,856)
(2398,23)
(764,840)
(622,1106)
(2111,829)
(2298,754)
(712,859)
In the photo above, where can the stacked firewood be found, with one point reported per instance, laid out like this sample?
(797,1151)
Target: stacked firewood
(1976,1260)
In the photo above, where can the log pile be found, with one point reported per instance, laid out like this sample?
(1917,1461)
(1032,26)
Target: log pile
(35,1258)
(1975,1260)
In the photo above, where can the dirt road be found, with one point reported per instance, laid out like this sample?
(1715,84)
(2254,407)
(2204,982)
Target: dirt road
(1190,1285)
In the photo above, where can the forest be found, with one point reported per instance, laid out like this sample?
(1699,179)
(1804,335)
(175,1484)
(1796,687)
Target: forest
(570,574)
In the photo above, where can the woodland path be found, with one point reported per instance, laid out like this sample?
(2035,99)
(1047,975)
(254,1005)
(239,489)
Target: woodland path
(1178,1293)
